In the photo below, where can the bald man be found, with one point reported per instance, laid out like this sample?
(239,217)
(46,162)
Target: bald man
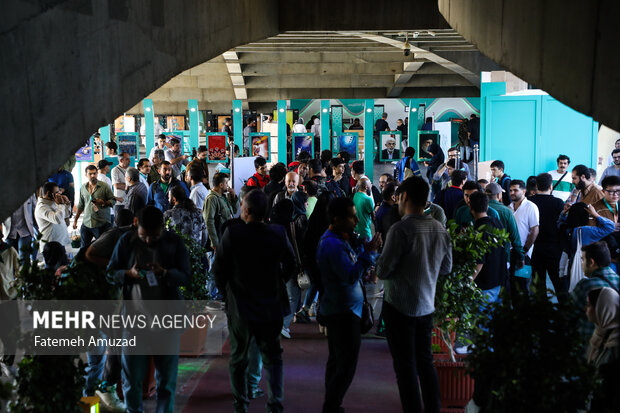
(364,207)
(291,182)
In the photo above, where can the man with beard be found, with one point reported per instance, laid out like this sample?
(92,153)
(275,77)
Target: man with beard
(291,182)
(158,191)
(613,170)
(95,201)
(588,192)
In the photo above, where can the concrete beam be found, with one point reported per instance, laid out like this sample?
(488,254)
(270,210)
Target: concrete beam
(567,48)
(320,81)
(314,58)
(360,15)
(274,69)
(68,68)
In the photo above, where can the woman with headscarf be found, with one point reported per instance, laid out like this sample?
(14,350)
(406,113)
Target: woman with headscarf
(437,159)
(603,309)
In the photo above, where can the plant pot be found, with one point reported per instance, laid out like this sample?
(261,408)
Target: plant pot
(456,387)
(149,386)
(194,342)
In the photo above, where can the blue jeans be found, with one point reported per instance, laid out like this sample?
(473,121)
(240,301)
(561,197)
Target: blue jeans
(310,295)
(19,243)
(255,365)
(294,299)
(134,369)
(87,234)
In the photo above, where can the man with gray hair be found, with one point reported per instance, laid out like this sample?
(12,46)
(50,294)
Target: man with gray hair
(136,191)
(364,207)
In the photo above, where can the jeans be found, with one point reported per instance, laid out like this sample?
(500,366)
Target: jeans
(87,234)
(267,336)
(409,340)
(255,366)
(311,294)
(134,369)
(19,243)
(294,299)
(344,340)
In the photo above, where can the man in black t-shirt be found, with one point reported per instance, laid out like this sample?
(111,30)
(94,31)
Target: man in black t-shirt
(380,126)
(491,272)
(547,249)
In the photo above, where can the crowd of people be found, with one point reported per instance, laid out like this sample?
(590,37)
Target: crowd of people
(312,234)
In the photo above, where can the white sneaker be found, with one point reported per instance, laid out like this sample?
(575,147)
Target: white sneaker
(472,407)
(286,333)
(462,350)
(110,401)
(312,310)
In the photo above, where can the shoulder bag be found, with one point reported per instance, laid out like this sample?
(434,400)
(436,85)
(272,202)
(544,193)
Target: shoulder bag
(368,318)
(303,281)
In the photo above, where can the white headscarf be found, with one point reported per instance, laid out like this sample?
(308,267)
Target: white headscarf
(606,322)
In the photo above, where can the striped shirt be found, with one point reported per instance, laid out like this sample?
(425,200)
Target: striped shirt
(417,250)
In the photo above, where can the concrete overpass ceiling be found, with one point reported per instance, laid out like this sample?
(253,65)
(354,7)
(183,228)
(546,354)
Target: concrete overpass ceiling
(330,64)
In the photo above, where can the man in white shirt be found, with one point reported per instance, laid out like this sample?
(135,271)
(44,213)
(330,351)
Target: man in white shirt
(527,216)
(198,191)
(175,156)
(103,168)
(562,179)
(144,167)
(161,144)
(118,181)
(50,213)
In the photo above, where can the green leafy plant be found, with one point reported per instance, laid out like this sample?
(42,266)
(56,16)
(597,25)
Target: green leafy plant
(197,290)
(49,384)
(531,356)
(457,299)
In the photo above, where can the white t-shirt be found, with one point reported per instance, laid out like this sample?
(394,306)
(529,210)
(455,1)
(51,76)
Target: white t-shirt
(527,216)
(104,178)
(563,189)
(118,177)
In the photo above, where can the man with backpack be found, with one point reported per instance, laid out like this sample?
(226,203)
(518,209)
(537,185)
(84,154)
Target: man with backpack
(497,171)
(316,171)
(260,178)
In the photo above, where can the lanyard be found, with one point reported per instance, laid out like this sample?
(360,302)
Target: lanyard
(92,193)
(615,215)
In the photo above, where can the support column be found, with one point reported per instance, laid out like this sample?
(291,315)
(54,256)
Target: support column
(412,128)
(369,141)
(104,134)
(325,135)
(237,114)
(149,128)
(194,123)
(281,114)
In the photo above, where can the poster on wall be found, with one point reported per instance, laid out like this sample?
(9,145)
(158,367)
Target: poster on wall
(259,145)
(425,139)
(390,146)
(216,147)
(175,123)
(302,142)
(347,142)
(125,123)
(128,143)
(86,153)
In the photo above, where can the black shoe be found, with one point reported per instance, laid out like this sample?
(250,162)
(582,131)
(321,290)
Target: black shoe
(302,317)
(257,393)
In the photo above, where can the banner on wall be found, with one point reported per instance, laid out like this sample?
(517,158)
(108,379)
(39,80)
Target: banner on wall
(390,146)
(260,145)
(128,143)
(86,152)
(303,142)
(347,142)
(216,147)
(175,123)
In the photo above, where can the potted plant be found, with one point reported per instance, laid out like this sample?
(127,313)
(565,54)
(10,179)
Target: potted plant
(457,307)
(193,340)
(533,355)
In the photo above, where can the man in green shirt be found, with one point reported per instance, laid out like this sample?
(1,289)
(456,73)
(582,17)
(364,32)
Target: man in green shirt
(96,198)
(364,207)
(506,217)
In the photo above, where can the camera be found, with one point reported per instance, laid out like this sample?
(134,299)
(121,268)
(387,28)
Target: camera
(407,48)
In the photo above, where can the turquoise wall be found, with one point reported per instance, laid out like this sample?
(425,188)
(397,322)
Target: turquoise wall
(355,107)
(529,132)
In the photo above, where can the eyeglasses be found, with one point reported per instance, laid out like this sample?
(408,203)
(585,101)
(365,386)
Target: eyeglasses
(612,192)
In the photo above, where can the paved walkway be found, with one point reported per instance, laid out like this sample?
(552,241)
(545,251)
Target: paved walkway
(373,389)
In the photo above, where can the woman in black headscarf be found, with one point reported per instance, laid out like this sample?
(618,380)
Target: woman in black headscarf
(436,160)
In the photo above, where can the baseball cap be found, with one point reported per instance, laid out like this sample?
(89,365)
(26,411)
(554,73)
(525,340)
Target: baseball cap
(493,188)
(103,163)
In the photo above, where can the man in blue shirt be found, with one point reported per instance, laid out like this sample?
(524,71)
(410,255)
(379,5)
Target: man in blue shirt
(341,268)
(64,180)
(158,191)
